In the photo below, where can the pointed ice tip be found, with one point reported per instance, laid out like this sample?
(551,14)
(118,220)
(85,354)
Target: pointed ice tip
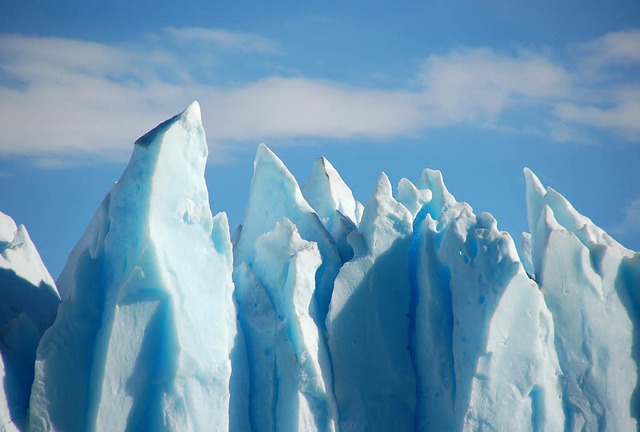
(191,115)
(193,112)
(264,156)
(532,182)
(383,185)
(264,153)
(326,166)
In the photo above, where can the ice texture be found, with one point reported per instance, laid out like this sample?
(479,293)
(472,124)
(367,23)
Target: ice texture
(482,342)
(274,195)
(334,204)
(28,304)
(411,313)
(589,285)
(142,340)
(368,323)
(288,390)
(285,264)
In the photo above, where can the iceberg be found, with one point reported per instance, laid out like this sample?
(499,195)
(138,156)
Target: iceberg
(590,284)
(28,305)
(288,390)
(368,321)
(281,244)
(482,336)
(143,337)
(274,195)
(334,204)
(411,313)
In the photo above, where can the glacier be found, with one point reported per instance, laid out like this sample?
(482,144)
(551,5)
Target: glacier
(408,313)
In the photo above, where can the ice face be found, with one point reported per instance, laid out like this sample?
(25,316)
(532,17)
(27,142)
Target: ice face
(288,362)
(28,305)
(586,280)
(482,335)
(275,195)
(285,265)
(412,313)
(334,204)
(368,324)
(143,338)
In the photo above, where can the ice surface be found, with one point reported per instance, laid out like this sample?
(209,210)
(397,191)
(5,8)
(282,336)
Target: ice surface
(368,325)
(482,335)
(412,313)
(286,262)
(28,304)
(274,195)
(288,361)
(334,203)
(142,340)
(583,274)
(18,254)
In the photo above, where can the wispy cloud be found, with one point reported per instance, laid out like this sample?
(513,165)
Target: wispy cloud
(64,100)
(621,117)
(229,40)
(616,48)
(477,85)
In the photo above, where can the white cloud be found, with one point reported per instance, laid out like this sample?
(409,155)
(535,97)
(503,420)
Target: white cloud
(474,85)
(230,40)
(616,48)
(608,92)
(622,118)
(299,107)
(67,99)
(631,221)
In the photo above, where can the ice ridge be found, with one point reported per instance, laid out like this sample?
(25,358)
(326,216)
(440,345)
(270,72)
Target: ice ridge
(411,313)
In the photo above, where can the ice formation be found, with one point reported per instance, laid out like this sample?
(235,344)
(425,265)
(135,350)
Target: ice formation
(142,339)
(594,305)
(411,313)
(483,338)
(28,303)
(368,324)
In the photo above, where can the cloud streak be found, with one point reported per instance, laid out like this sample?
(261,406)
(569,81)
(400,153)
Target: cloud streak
(65,99)
(226,39)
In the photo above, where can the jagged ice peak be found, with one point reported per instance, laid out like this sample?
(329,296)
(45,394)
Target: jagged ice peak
(409,313)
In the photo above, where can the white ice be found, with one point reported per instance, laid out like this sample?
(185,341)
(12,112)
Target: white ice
(143,339)
(28,305)
(594,302)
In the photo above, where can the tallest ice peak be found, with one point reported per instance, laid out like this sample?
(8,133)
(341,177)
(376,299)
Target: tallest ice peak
(192,112)
(151,266)
(191,117)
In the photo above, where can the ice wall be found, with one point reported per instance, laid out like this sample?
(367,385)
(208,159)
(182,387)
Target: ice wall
(368,325)
(143,337)
(482,339)
(410,314)
(334,204)
(285,264)
(590,283)
(28,305)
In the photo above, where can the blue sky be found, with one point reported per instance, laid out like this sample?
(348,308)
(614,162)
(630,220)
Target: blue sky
(476,89)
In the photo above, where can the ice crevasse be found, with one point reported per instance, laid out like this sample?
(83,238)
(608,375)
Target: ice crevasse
(407,313)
